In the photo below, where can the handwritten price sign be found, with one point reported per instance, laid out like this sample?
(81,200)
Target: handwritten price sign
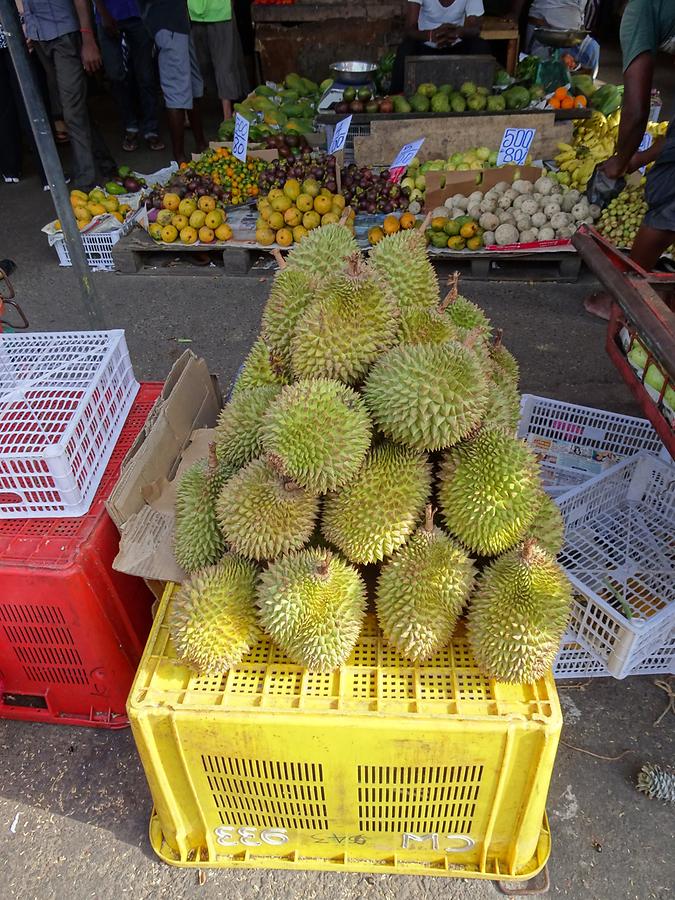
(403,159)
(240,138)
(515,146)
(340,135)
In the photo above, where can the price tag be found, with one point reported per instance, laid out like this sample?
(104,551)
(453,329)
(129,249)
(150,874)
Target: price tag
(240,138)
(515,146)
(645,144)
(340,135)
(405,156)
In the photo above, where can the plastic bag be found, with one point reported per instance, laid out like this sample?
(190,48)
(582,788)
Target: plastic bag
(601,189)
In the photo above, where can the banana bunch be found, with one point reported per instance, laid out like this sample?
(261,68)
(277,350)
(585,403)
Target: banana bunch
(593,142)
(657,129)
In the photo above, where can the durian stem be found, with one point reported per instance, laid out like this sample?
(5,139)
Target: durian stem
(472,337)
(213,459)
(497,339)
(425,224)
(276,364)
(346,212)
(529,547)
(452,294)
(323,565)
(429,513)
(355,264)
(277,254)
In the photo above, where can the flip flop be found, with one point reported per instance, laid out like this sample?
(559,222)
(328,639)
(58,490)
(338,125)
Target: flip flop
(130,142)
(155,142)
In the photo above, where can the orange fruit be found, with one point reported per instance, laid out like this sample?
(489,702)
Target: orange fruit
(560,93)
(375,235)
(567,103)
(580,101)
(391,225)
(407,221)
(554,103)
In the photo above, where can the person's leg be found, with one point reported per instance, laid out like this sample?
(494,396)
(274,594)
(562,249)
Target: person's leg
(140,50)
(228,63)
(115,69)
(173,57)
(197,87)
(10,128)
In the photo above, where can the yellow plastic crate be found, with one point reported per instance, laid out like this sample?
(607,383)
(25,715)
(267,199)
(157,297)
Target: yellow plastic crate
(382,766)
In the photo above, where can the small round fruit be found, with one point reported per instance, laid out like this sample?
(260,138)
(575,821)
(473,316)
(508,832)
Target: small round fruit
(264,236)
(311,186)
(474,243)
(187,206)
(171,201)
(324,192)
(274,194)
(155,231)
(207,203)
(82,214)
(391,225)
(214,219)
(407,221)
(96,209)
(169,234)
(299,232)
(329,218)
(284,237)
(375,235)
(468,230)
(223,232)
(197,219)
(265,212)
(339,200)
(305,202)
(322,204)
(179,222)
(276,221)
(281,204)
(438,223)
(189,235)
(206,235)
(311,220)
(164,217)
(293,216)
(292,188)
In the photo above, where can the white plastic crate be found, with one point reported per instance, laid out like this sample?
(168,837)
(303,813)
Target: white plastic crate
(620,557)
(575,443)
(575,661)
(64,397)
(98,246)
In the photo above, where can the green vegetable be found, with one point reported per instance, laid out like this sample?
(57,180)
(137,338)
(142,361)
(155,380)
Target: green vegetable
(112,187)
(526,70)
(607,99)
(419,104)
(516,97)
(583,84)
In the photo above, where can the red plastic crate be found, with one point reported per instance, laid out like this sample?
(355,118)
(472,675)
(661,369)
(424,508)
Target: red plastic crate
(72,630)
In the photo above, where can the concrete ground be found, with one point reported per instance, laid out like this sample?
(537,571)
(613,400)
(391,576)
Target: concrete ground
(74,805)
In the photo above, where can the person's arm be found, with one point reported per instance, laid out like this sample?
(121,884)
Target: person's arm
(108,21)
(637,81)
(470,28)
(645,157)
(412,18)
(91,55)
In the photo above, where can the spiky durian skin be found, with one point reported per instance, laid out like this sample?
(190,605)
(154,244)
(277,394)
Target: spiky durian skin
(318,432)
(198,539)
(263,366)
(345,328)
(503,406)
(401,260)
(548,526)
(237,434)
(505,364)
(464,314)
(518,615)
(323,251)
(292,290)
(489,491)
(262,515)
(314,616)
(377,511)
(213,618)
(425,326)
(427,396)
(421,593)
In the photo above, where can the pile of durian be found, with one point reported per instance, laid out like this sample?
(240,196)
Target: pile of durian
(367,401)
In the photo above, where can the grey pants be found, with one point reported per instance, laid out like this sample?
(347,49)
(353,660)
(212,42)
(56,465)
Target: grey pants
(92,161)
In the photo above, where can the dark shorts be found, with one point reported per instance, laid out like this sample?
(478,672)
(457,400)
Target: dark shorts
(660,188)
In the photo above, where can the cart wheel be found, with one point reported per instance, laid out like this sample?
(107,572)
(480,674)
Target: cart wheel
(540,884)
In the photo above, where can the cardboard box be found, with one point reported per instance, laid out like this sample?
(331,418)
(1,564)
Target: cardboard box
(267,155)
(175,435)
(441,185)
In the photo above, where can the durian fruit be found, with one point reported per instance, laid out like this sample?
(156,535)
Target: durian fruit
(422,591)
(312,604)
(518,614)
(317,432)
(489,491)
(503,406)
(377,511)
(548,526)
(425,326)
(323,251)
(657,782)
(505,366)
(401,260)
(237,433)
(351,321)
(291,292)
(198,540)
(263,514)
(463,313)
(427,396)
(213,618)
(261,367)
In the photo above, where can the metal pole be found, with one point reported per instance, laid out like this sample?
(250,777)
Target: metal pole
(9,21)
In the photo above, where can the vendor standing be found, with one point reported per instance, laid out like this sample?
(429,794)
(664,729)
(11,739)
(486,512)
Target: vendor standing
(647,26)
(562,15)
(435,27)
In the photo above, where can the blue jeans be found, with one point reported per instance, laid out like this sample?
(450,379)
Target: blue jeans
(131,71)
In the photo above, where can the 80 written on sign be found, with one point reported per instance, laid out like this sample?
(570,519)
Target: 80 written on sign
(515,146)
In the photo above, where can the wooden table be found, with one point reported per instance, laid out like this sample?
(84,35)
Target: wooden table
(497,29)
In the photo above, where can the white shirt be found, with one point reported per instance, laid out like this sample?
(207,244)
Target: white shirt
(433,14)
(560,13)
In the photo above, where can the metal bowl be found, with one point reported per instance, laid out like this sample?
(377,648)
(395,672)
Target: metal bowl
(353,72)
(560,37)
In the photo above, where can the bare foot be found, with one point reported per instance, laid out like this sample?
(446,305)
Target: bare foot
(599,305)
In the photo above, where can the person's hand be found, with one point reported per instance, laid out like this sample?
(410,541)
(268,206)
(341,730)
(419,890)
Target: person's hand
(614,168)
(90,55)
(445,35)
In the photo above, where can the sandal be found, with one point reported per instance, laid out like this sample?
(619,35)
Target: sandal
(61,137)
(130,142)
(155,142)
